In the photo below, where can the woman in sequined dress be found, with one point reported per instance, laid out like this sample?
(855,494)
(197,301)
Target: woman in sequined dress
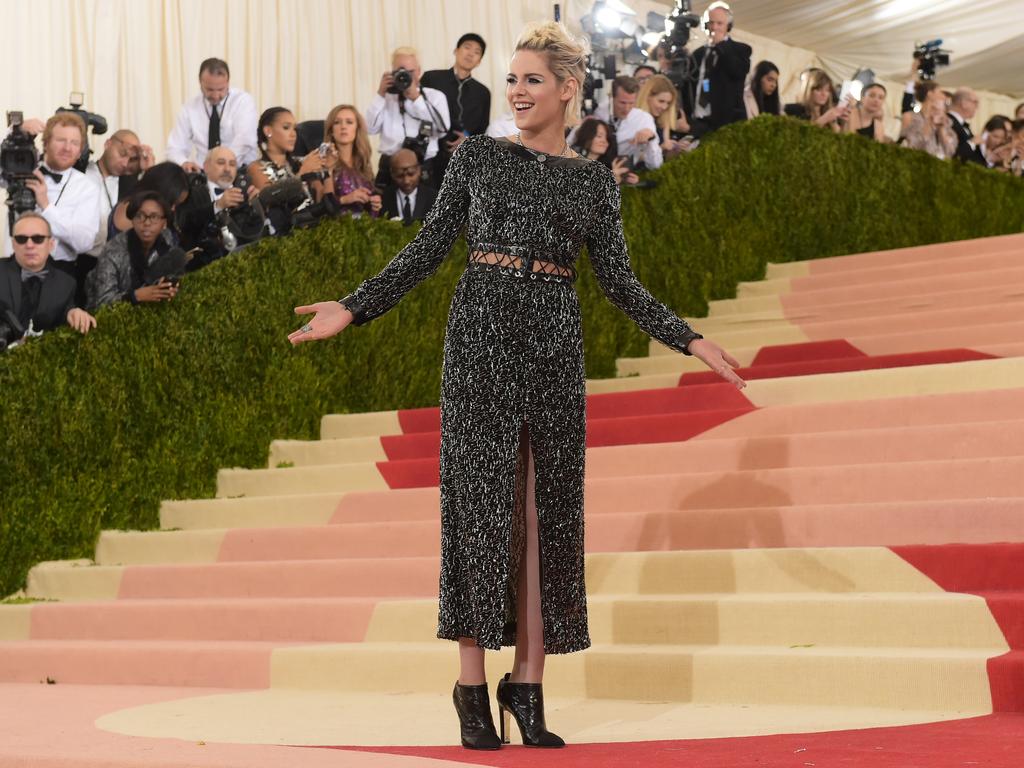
(513,399)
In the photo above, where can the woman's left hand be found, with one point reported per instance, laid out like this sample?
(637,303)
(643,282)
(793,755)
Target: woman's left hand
(718,360)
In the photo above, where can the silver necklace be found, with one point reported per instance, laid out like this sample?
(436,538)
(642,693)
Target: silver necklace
(540,156)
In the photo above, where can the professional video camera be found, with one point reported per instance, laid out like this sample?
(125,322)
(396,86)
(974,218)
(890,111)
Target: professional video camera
(96,123)
(18,159)
(682,70)
(929,56)
(403,79)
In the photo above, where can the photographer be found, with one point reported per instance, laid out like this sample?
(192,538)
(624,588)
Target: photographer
(469,100)
(929,128)
(818,102)
(996,145)
(406,199)
(595,140)
(63,195)
(123,271)
(407,116)
(722,67)
(34,296)
(115,174)
(221,169)
(635,129)
(219,115)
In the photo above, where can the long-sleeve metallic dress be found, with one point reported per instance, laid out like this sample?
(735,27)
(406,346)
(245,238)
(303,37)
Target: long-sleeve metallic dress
(513,376)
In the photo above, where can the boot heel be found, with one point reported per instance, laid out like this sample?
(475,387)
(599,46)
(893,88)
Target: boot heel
(506,727)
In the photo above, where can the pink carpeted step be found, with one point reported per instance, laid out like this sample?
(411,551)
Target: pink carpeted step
(248,619)
(132,662)
(839,365)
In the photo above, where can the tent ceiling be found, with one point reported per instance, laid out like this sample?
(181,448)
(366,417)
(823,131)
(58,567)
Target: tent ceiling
(985,36)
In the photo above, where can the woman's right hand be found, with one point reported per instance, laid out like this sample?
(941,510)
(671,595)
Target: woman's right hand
(619,169)
(331,318)
(360,195)
(164,290)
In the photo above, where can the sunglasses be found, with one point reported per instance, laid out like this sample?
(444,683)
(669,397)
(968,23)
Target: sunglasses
(37,239)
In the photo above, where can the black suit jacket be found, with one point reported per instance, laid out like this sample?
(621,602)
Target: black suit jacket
(964,151)
(56,298)
(726,70)
(425,197)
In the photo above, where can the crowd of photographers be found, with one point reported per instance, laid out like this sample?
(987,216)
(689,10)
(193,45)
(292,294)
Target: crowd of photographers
(125,228)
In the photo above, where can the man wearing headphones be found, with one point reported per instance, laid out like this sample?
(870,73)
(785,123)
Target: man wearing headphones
(722,67)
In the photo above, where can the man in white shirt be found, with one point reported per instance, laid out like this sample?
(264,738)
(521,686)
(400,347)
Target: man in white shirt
(220,115)
(634,128)
(123,158)
(414,118)
(64,196)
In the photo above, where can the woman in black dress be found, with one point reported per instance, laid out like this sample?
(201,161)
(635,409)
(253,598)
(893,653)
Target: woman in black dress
(513,393)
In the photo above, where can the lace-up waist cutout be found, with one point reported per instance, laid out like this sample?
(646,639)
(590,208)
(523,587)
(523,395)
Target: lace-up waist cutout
(518,261)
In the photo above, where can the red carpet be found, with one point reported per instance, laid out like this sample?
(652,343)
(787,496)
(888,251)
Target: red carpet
(716,396)
(780,354)
(996,573)
(994,741)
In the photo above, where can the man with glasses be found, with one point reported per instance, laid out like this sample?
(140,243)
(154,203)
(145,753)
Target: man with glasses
(34,295)
(115,173)
(407,199)
(961,110)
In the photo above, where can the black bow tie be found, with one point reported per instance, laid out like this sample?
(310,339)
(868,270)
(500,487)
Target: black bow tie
(217,191)
(52,174)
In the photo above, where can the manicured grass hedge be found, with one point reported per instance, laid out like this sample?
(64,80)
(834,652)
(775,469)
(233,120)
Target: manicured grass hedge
(98,430)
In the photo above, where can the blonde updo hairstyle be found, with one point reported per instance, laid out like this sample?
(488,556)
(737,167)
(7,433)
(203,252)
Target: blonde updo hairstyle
(566,56)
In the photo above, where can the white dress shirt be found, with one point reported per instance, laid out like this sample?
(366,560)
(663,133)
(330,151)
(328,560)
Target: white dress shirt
(400,196)
(628,127)
(107,188)
(238,120)
(73,211)
(385,117)
(503,126)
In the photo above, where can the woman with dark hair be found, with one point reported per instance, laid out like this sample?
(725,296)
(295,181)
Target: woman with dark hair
(761,96)
(928,128)
(818,103)
(120,273)
(595,140)
(276,137)
(167,179)
(866,118)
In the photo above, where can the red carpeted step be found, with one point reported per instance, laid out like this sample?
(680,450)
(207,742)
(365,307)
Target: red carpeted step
(673,428)
(840,365)
(716,396)
(780,354)
(994,572)
(633,430)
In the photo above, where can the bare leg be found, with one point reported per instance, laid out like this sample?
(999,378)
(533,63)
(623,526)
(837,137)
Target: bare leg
(471,662)
(528,666)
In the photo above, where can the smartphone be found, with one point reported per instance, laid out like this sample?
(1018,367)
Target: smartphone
(323,149)
(850,91)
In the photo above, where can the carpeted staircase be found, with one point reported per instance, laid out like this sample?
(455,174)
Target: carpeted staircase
(838,546)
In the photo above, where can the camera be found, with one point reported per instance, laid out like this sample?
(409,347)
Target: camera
(96,123)
(244,223)
(929,57)
(18,160)
(403,79)
(420,141)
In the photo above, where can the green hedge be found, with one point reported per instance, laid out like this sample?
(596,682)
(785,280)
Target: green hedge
(98,430)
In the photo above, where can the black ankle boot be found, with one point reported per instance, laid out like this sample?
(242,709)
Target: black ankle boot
(475,722)
(525,702)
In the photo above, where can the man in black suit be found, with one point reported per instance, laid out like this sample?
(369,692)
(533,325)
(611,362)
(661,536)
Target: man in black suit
(35,296)
(722,67)
(406,198)
(961,110)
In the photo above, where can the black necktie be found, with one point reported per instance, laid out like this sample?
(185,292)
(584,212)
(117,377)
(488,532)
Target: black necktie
(31,287)
(52,174)
(213,137)
(406,211)
(967,130)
